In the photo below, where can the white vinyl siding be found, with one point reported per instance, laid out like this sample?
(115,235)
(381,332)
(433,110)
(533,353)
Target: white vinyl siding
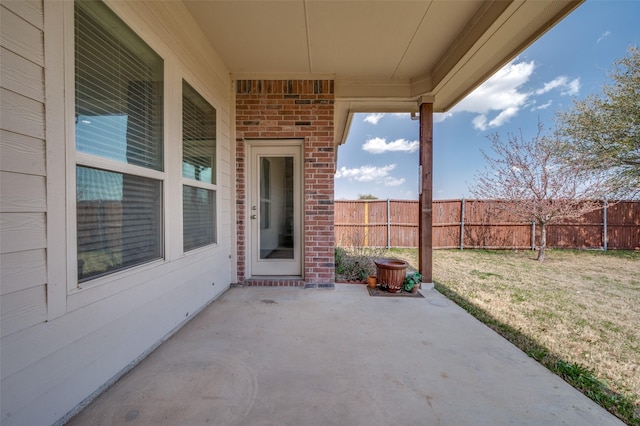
(63,342)
(23,206)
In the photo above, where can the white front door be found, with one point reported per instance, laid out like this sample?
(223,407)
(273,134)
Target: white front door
(275,207)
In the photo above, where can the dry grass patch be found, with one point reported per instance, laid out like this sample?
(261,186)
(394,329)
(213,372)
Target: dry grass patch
(578,312)
(577,306)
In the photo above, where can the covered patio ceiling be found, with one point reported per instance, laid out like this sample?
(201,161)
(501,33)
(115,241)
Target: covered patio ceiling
(384,55)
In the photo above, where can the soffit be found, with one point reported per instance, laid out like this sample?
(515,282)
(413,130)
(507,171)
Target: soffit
(383,54)
(361,39)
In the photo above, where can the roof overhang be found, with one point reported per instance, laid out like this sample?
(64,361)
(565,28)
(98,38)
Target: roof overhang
(385,56)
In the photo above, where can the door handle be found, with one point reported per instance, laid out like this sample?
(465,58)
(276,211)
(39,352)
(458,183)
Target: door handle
(253,216)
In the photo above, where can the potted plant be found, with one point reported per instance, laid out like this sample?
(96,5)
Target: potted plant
(412,282)
(372,281)
(391,273)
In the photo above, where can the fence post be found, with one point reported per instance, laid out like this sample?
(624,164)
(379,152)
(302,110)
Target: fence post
(462,225)
(604,225)
(388,223)
(533,235)
(366,223)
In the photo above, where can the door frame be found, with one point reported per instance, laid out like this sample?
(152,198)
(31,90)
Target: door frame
(279,147)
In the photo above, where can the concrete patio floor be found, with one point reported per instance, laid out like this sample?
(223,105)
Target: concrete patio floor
(288,356)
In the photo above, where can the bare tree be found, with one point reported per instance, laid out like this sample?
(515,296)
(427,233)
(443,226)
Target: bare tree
(533,185)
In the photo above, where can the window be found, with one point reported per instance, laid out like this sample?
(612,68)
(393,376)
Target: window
(198,169)
(119,144)
(265,193)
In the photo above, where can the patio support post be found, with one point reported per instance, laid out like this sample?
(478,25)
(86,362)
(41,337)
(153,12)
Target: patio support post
(425,242)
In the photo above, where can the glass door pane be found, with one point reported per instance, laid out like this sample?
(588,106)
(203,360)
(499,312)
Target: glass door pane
(276,211)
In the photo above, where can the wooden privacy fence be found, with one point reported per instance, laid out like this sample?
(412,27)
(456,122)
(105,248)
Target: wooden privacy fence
(478,224)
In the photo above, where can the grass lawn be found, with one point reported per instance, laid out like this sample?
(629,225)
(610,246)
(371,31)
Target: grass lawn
(578,312)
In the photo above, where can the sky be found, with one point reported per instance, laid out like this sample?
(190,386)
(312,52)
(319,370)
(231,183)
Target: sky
(571,61)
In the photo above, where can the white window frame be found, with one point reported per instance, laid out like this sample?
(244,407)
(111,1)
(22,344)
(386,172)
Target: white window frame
(74,296)
(75,158)
(196,183)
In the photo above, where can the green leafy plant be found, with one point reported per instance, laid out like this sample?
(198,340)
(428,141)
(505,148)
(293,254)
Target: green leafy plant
(340,255)
(412,280)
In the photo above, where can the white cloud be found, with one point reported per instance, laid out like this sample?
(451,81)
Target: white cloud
(480,122)
(566,87)
(391,181)
(556,82)
(543,106)
(373,118)
(365,173)
(371,174)
(503,95)
(572,88)
(380,145)
(603,36)
(401,115)
(500,91)
(503,117)
(440,117)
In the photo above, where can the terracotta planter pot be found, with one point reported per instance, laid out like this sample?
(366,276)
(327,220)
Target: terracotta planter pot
(372,281)
(391,273)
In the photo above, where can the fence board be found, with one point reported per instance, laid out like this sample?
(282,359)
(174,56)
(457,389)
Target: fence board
(364,223)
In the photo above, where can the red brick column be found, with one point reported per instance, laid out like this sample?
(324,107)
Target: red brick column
(292,109)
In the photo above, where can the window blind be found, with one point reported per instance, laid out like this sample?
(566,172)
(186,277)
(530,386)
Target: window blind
(198,136)
(119,220)
(118,90)
(118,106)
(198,217)
(199,165)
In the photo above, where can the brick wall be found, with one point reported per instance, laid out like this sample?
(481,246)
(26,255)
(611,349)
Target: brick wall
(292,109)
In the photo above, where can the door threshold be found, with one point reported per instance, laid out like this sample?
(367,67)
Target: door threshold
(270,281)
